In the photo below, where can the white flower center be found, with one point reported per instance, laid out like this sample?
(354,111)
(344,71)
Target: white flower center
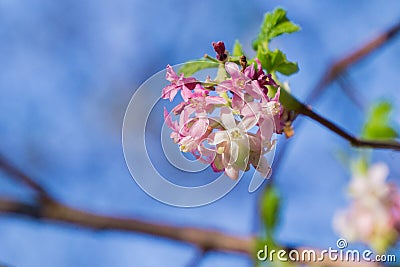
(236,134)
(240,83)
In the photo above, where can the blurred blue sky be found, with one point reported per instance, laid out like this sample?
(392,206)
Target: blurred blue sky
(69,68)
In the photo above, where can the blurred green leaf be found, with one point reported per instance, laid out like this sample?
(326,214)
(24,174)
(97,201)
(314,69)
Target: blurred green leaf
(276,61)
(191,67)
(237,49)
(274,24)
(377,126)
(263,250)
(265,245)
(360,165)
(270,203)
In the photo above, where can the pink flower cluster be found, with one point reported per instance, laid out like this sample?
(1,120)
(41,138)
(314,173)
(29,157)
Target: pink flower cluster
(228,124)
(374,214)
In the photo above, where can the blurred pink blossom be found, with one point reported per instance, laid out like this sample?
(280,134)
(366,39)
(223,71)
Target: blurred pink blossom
(373,215)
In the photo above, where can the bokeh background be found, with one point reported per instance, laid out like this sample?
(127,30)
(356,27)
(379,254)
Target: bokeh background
(69,69)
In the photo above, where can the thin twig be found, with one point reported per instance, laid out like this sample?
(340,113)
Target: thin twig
(22,177)
(197,258)
(354,141)
(207,56)
(351,92)
(341,65)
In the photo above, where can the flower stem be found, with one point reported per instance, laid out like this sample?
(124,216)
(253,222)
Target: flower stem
(206,56)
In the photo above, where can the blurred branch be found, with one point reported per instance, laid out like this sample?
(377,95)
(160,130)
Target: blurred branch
(21,177)
(205,240)
(56,212)
(350,91)
(341,65)
(197,259)
(4,265)
(48,209)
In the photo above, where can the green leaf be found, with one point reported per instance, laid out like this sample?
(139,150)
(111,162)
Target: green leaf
(284,27)
(274,24)
(191,67)
(262,247)
(377,126)
(276,61)
(270,203)
(288,68)
(237,50)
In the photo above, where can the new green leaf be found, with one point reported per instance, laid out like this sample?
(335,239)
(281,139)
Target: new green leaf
(274,24)
(276,61)
(377,126)
(237,49)
(270,208)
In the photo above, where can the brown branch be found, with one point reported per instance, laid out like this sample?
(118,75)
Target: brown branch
(50,210)
(56,212)
(350,91)
(341,65)
(22,177)
(354,141)
(205,240)
(197,259)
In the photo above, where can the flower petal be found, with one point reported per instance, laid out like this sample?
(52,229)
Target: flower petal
(231,172)
(237,102)
(215,100)
(233,70)
(219,137)
(263,167)
(170,92)
(186,93)
(224,86)
(378,173)
(227,118)
(234,152)
(267,128)
(199,128)
(168,120)
(171,74)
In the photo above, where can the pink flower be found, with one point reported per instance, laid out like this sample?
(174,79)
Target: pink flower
(177,83)
(189,132)
(201,102)
(366,224)
(371,187)
(233,143)
(240,85)
(373,215)
(242,133)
